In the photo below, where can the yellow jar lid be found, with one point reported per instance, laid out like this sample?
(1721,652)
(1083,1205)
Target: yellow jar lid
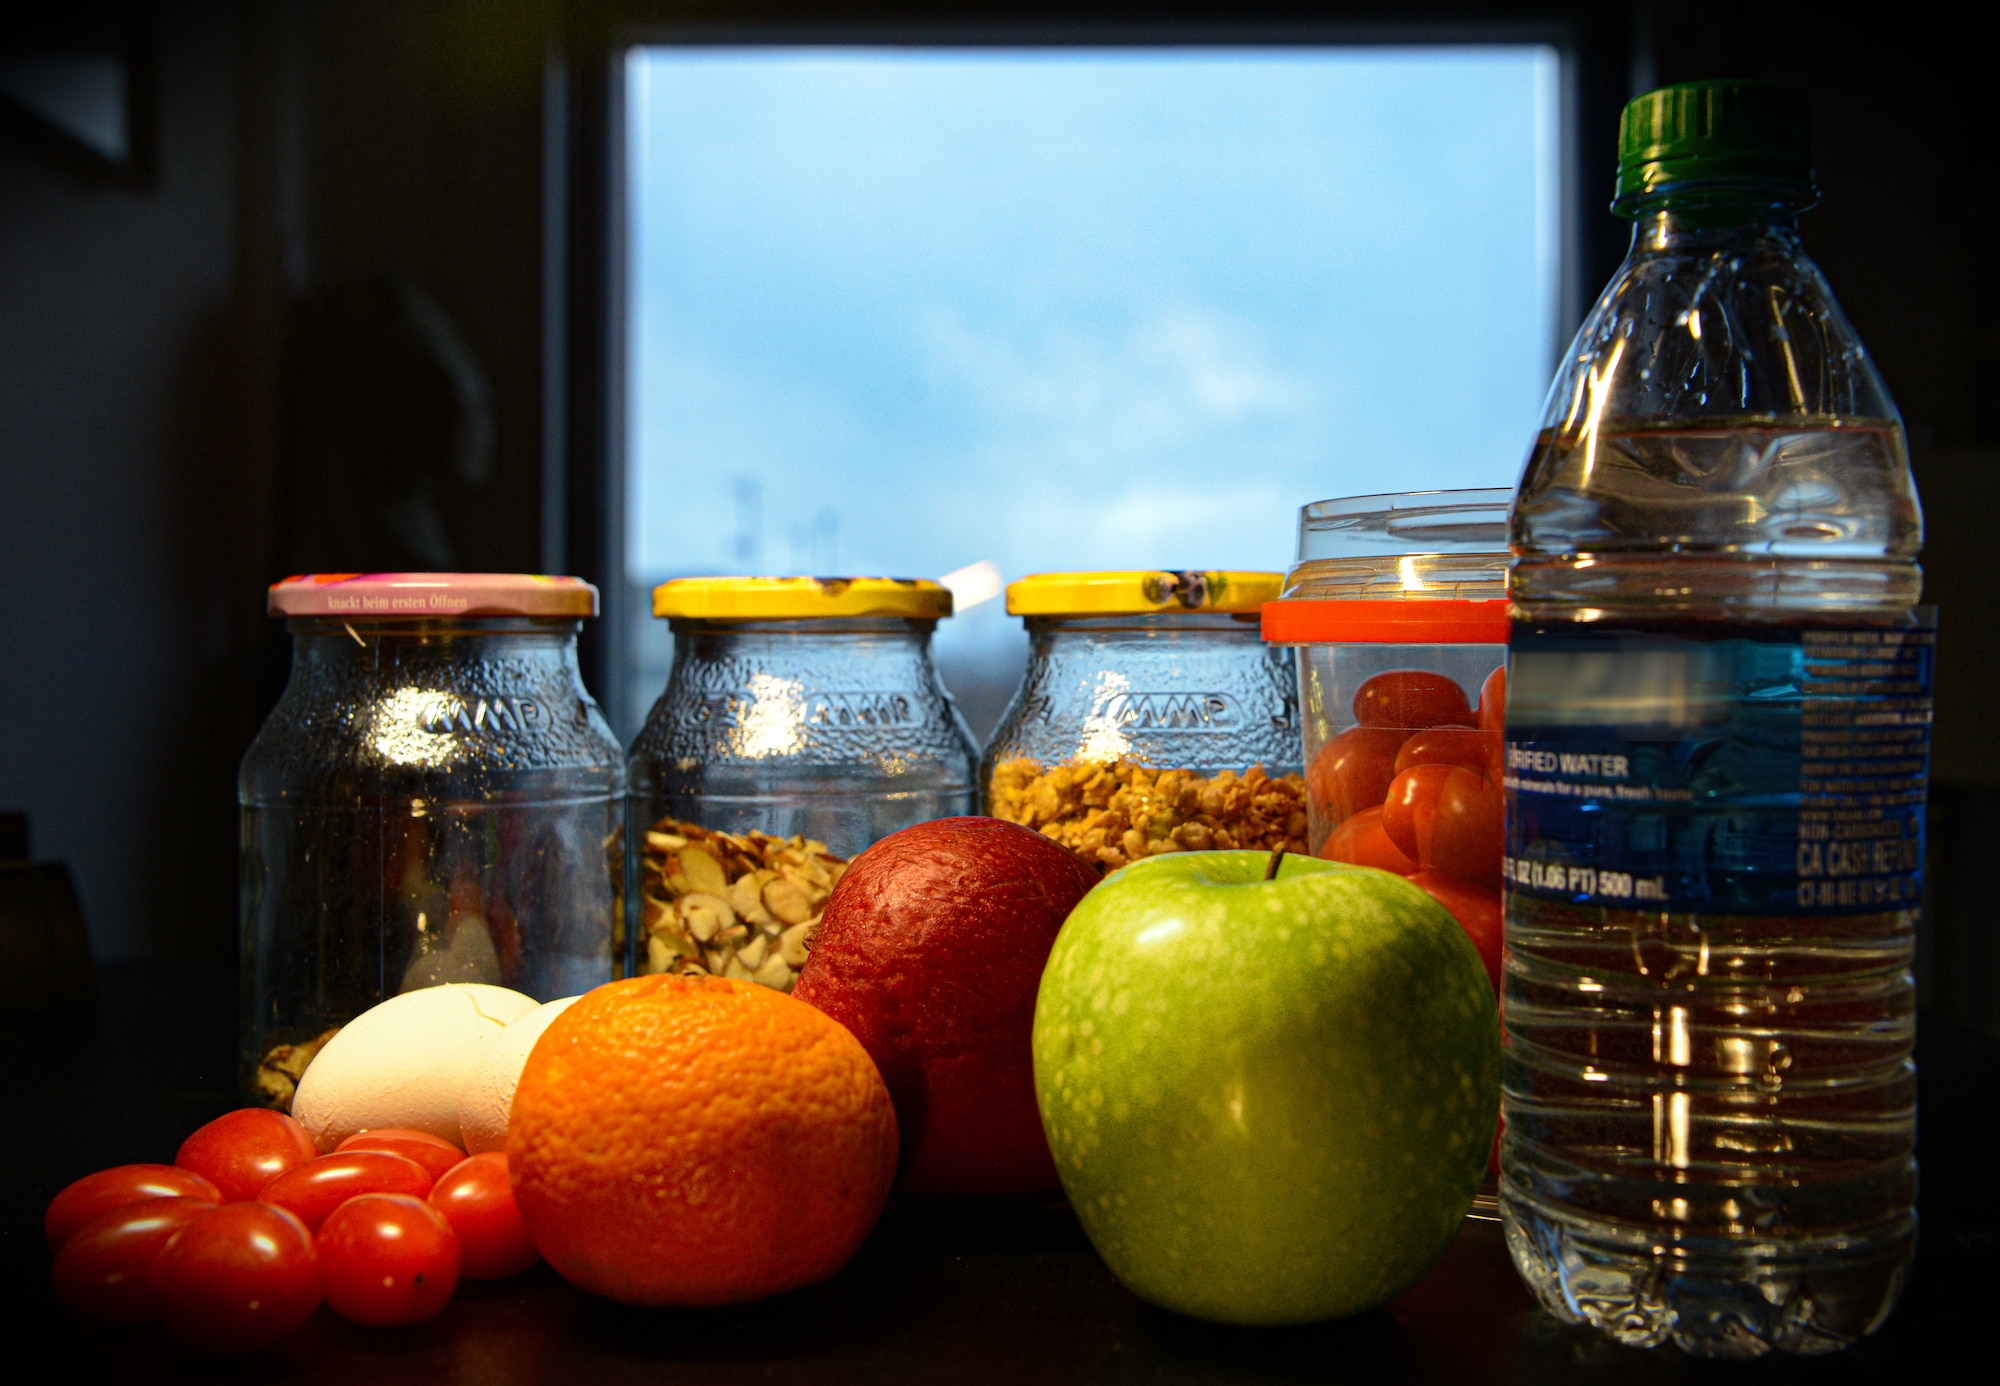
(799,598)
(1138,593)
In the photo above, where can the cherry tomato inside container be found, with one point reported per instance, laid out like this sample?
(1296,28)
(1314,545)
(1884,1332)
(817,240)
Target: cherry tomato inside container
(1397,614)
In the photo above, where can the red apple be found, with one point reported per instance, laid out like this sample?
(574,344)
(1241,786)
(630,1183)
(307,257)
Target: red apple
(931,950)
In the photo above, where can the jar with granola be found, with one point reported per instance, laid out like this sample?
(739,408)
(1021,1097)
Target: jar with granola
(1152,717)
(802,721)
(435,798)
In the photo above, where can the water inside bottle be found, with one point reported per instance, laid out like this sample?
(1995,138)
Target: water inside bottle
(1711,1115)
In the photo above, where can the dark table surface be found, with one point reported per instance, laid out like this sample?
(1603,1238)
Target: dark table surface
(938,1294)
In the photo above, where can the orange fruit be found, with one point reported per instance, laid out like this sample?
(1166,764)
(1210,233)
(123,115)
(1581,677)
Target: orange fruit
(698,1140)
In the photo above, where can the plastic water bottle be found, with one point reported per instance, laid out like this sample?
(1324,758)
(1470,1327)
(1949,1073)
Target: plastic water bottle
(1718,732)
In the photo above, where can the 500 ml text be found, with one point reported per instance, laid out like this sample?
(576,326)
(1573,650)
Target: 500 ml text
(1585,882)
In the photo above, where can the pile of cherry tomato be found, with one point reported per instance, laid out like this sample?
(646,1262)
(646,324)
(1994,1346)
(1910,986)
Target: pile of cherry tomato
(235,1244)
(1414,788)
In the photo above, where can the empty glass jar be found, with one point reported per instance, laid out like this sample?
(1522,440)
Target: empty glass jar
(802,721)
(435,798)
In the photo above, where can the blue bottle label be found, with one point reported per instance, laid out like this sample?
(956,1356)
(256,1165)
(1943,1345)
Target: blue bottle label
(1720,768)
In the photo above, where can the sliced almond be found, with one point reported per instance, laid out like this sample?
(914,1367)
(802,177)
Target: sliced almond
(735,969)
(703,871)
(659,957)
(747,896)
(752,953)
(787,899)
(774,973)
(702,922)
(665,842)
(793,943)
(655,914)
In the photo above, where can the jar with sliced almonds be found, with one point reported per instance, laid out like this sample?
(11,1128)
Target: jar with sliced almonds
(741,905)
(802,721)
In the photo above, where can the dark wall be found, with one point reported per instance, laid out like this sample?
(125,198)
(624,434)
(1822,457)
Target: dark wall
(118,369)
(165,451)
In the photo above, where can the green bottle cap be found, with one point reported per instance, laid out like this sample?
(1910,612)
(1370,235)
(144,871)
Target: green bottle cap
(1719,141)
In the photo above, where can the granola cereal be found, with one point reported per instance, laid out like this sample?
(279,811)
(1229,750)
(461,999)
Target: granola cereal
(742,905)
(1118,812)
(279,1071)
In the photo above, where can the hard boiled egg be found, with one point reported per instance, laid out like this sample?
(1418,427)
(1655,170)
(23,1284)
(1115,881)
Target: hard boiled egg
(489,1091)
(404,1063)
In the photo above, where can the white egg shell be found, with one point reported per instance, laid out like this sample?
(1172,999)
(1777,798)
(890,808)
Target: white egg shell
(404,1063)
(489,1090)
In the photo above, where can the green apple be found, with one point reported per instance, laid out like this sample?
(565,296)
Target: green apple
(1270,1101)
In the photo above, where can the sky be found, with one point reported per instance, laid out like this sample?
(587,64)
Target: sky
(899,311)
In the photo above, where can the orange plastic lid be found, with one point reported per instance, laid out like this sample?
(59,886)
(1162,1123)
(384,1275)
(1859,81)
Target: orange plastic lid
(1448,621)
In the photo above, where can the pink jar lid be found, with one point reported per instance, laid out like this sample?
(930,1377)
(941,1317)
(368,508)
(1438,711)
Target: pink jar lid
(379,596)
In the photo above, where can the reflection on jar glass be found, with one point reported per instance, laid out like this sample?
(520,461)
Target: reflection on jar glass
(1151,718)
(435,798)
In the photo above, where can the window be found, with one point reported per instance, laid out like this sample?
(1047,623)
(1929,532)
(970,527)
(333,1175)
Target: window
(909,311)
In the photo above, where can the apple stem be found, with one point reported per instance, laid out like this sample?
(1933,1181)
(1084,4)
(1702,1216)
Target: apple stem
(1271,871)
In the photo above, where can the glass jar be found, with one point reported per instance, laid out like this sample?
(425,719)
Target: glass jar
(802,721)
(1398,609)
(1151,717)
(435,798)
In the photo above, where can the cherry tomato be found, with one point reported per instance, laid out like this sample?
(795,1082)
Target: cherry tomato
(477,1199)
(96,1194)
(1493,702)
(1352,771)
(389,1259)
(1493,720)
(105,1271)
(1412,698)
(1409,814)
(1361,841)
(1443,746)
(316,1188)
(434,1153)
(1477,912)
(1469,835)
(238,1278)
(243,1150)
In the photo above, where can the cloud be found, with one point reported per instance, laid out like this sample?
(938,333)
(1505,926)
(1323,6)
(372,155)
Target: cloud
(1163,388)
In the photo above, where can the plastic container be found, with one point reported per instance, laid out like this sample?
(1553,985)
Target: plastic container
(1717,746)
(1397,609)
(1151,717)
(435,798)
(802,721)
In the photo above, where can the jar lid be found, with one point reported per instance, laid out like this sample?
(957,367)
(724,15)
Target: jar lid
(411,595)
(799,598)
(1405,621)
(1140,593)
